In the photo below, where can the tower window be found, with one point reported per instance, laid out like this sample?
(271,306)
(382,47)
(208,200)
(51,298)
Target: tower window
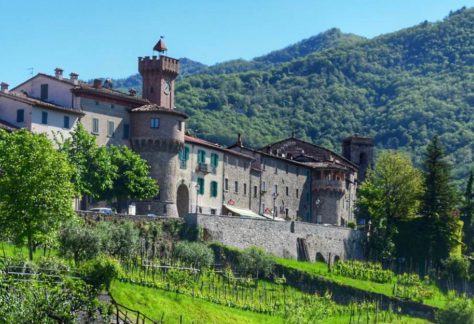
(180,125)
(236,186)
(287,191)
(154,123)
(255,191)
(66,122)
(245,189)
(110,129)
(20,115)
(226,184)
(44,92)
(95,126)
(44,117)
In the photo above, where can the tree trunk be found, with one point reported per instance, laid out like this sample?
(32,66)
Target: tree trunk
(30,246)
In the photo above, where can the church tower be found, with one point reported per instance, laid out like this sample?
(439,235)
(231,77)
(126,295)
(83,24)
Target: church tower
(157,130)
(359,150)
(159,74)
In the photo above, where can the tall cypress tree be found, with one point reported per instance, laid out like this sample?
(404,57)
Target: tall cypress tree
(439,202)
(468,213)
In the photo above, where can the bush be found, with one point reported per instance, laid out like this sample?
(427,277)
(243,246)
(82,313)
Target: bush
(53,264)
(119,240)
(79,242)
(457,310)
(254,261)
(100,272)
(456,268)
(194,253)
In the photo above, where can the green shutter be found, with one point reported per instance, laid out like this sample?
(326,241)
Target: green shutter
(214,160)
(201,186)
(213,189)
(181,154)
(201,156)
(186,153)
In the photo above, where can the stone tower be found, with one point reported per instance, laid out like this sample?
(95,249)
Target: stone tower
(359,150)
(157,131)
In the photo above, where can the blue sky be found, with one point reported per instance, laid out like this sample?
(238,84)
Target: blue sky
(104,38)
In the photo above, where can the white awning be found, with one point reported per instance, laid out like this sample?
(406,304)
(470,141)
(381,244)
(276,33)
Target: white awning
(243,212)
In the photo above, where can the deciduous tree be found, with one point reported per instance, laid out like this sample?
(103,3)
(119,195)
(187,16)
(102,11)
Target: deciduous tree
(35,188)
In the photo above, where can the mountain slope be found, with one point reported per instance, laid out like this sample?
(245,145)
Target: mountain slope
(328,39)
(401,88)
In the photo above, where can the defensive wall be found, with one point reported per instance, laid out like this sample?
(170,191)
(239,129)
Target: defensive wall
(283,239)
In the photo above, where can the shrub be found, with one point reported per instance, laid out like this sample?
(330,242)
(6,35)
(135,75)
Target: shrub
(456,268)
(457,310)
(119,240)
(363,270)
(100,272)
(79,242)
(254,261)
(194,253)
(53,264)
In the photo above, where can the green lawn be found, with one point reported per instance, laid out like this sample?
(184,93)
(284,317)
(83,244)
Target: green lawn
(153,302)
(320,269)
(10,250)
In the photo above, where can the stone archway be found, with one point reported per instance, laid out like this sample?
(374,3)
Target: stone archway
(182,200)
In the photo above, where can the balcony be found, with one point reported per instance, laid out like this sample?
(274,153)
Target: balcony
(329,185)
(204,168)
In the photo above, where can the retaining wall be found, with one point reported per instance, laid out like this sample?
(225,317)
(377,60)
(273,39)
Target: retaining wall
(280,238)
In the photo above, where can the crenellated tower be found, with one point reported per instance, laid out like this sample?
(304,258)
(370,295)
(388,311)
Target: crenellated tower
(159,75)
(157,130)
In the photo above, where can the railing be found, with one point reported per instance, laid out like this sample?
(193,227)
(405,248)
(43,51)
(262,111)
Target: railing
(203,167)
(123,314)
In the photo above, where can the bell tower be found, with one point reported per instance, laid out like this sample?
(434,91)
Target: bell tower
(159,74)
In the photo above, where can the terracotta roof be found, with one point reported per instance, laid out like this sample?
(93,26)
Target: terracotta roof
(160,46)
(7,126)
(21,97)
(314,145)
(83,87)
(156,108)
(199,141)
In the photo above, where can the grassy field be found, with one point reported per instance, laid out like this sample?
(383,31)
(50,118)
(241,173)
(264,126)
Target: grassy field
(10,250)
(321,269)
(155,302)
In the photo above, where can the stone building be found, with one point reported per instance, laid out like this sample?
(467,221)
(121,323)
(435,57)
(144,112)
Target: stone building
(287,180)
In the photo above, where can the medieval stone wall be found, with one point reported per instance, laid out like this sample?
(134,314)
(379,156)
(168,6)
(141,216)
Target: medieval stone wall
(280,238)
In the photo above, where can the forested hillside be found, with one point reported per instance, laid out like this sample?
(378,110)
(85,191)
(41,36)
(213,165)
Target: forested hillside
(402,88)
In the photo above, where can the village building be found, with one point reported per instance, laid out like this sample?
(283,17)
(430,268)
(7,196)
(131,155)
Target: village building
(287,180)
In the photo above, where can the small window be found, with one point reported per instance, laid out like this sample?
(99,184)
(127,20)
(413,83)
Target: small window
(275,189)
(66,122)
(44,92)
(226,184)
(245,188)
(20,115)
(44,117)
(213,211)
(126,131)
(95,126)
(184,157)
(287,191)
(180,125)
(201,186)
(264,187)
(110,129)
(213,188)
(297,193)
(236,186)
(201,156)
(255,191)
(154,123)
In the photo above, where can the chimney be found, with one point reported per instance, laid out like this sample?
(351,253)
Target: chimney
(4,87)
(132,92)
(74,77)
(97,83)
(58,73)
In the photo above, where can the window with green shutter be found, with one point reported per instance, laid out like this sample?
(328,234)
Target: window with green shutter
(201,186)
(214,189)
(201,156)
(184,157)
(214,160)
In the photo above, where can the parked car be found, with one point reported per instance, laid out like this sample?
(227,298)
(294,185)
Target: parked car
(102,210)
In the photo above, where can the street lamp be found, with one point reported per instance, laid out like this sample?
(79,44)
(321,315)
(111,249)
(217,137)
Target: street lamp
(197,196)
(275,196)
